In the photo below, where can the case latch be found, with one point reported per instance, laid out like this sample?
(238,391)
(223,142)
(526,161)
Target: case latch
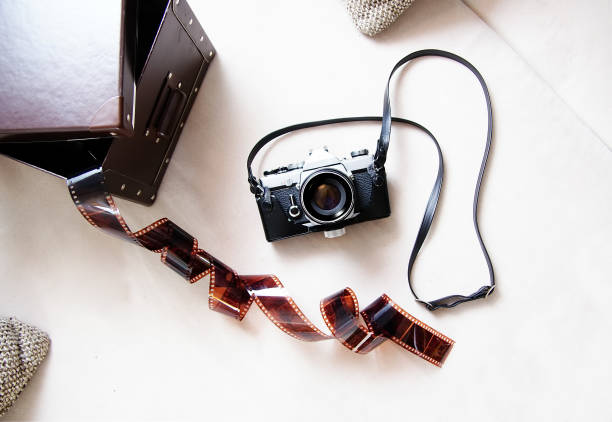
(168,108)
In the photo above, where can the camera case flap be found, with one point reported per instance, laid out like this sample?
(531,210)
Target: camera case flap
(102,83)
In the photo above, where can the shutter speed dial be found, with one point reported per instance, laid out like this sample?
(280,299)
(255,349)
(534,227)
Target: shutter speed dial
(359,153)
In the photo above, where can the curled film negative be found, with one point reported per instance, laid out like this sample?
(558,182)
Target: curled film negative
(233,294)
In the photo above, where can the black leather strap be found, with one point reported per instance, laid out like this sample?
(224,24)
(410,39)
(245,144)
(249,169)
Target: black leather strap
(385,131)
(379,162)
(255,184)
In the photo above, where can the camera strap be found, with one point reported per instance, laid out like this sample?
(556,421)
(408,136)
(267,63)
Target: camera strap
(255,184)
(379,162)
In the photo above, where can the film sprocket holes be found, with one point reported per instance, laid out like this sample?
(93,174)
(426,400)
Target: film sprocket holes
(322,193)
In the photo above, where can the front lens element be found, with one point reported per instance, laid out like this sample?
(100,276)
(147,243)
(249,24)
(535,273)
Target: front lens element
(326,196)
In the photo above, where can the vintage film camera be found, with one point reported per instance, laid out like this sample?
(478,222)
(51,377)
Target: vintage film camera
(325,193)
(322,193)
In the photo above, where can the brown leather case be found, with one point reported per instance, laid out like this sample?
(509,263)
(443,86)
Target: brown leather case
(101,83)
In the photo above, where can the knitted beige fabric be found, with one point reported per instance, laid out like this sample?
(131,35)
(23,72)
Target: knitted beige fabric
(373,16)
(22,349)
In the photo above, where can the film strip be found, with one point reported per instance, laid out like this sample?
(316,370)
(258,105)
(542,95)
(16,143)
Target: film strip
(233,294)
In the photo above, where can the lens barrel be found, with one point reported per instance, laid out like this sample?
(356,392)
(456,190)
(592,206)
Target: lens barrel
(327,196)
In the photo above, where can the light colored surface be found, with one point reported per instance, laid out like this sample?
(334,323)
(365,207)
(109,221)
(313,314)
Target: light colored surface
(568,44)
(130,340)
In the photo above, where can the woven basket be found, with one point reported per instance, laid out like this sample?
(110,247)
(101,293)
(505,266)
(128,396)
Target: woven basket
(22,349)
(374,16)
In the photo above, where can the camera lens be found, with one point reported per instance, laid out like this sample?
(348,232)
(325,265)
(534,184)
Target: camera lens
(327,196)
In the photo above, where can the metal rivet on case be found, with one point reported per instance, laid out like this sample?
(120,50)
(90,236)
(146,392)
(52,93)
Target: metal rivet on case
(170,75)
(190,21)
(113,133)
(167,160)
(139,192)
(202,38)
(152,197)
(196,89)
(210,54)
(182,124)
(157,140)
(123,187)
(180,84)
(128,117)
(147,132)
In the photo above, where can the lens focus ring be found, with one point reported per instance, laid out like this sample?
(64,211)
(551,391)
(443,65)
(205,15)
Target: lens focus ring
(327,196)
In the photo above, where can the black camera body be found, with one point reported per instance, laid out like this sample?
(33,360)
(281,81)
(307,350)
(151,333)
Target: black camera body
(322,193)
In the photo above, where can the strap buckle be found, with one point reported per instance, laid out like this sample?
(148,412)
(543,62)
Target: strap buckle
(428,305)
(255,188)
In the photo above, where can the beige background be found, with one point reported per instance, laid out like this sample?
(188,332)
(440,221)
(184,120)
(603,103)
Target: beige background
(131,340)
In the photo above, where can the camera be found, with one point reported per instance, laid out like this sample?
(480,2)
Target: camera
(322,193)
(326,193)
